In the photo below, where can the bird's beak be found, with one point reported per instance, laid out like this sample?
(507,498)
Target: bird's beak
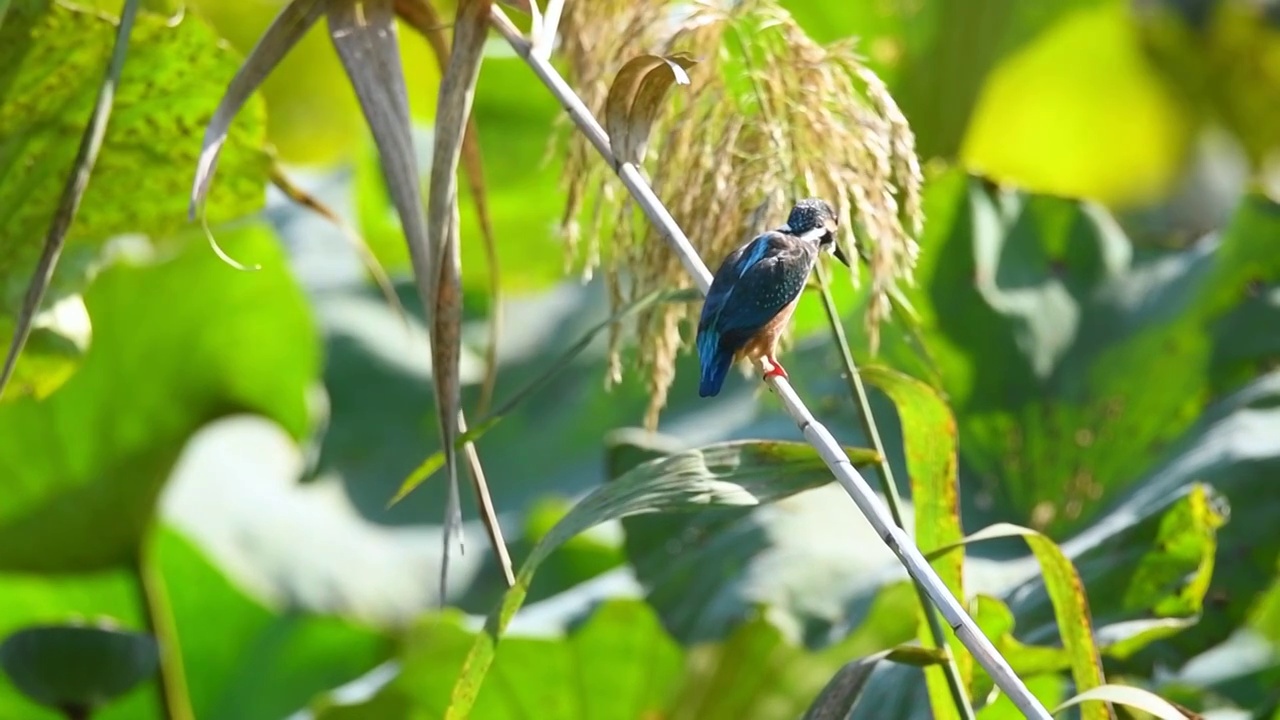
(840,255)
(831,228)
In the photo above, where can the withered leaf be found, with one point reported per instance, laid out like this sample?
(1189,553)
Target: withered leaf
(457,91)
(284,32)
(635,99)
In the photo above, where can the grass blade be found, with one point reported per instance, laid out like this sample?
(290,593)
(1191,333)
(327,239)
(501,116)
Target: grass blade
(544,40)
(1137,698)
(488,516)
(1070,607)
(72,192)
(740,473)
(930,441)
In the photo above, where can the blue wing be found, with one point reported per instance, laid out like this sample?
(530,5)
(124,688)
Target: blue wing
(753,285)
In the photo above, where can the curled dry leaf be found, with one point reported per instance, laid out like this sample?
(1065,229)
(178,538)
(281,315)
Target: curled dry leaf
(284,32)
(635,99)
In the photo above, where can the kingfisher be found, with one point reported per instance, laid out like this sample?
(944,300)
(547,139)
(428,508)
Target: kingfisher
(754,293)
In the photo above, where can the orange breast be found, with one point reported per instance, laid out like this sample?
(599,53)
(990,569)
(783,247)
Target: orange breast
(765,342)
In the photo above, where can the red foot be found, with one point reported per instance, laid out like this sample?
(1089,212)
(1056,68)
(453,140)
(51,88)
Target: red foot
(775,369)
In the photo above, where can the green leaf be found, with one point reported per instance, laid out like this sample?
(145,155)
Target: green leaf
(756,673)
(257,662)
(1224,63)
(704,572)
(1133,697)
(619,663)
(997,622)
(77,666)
(930,442)
(842,691)
(1148,578)
(1042,119)
(169,88)
(578,560)
(1043,321)
(1171,579)
(69,201)
(729,474)
(53,352)
(1227,461)
(1070,605)
(179,341)
(51,59)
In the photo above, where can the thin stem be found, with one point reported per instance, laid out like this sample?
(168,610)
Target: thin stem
(72,192)
(305,199)
(175,701)
(485,501)
(814,432)
(884,473)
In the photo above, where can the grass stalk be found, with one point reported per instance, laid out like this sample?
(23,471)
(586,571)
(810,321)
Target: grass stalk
(171,686)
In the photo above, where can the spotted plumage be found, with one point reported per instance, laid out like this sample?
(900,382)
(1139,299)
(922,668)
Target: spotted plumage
(754,293)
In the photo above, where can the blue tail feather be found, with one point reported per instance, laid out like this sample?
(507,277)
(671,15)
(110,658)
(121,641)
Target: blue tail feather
(715,367)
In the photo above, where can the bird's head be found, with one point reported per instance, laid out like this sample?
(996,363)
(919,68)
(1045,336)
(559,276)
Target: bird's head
(814,220)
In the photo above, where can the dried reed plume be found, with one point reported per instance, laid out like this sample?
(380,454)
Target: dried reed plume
(771,117)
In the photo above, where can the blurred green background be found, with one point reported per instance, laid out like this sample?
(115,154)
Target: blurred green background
(1099,357)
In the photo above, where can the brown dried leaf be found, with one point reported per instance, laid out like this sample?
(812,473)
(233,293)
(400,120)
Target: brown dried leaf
(636,97)
(457,91)
(422,16)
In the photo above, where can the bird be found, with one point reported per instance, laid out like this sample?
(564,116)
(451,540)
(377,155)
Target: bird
(754,293)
